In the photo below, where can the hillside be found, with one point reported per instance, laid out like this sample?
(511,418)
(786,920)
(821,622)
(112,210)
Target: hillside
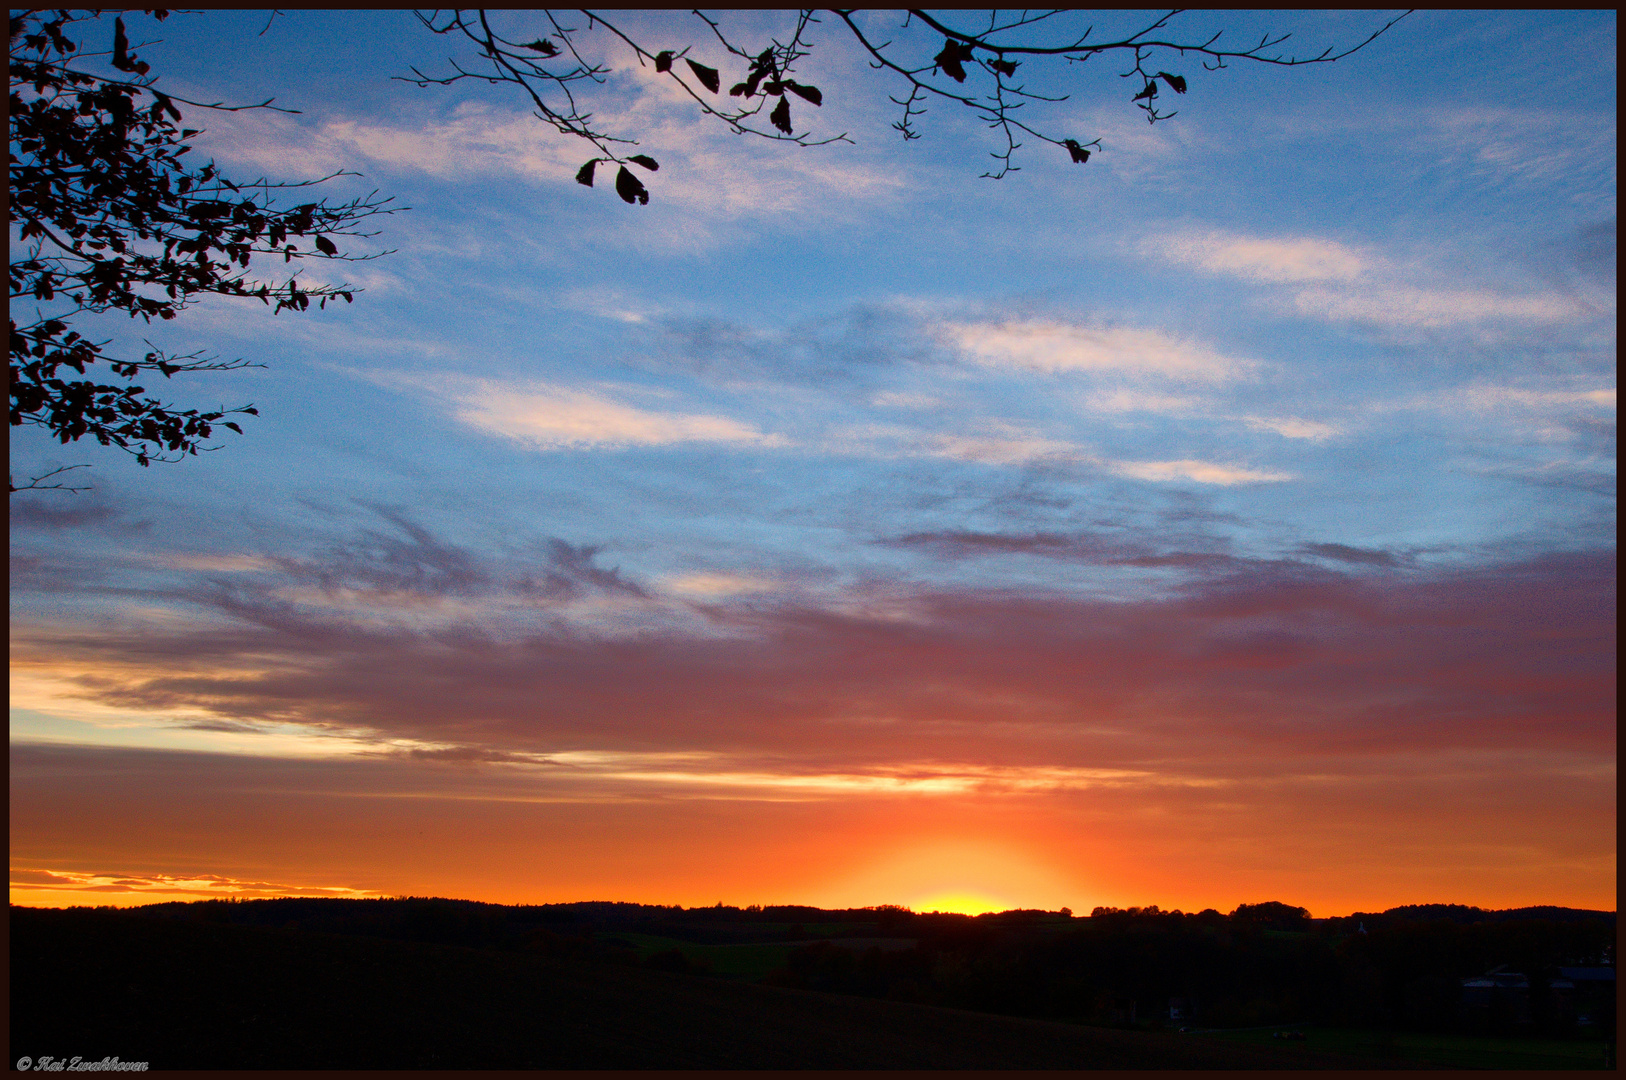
(185,993)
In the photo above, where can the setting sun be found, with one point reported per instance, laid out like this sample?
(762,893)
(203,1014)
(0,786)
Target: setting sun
(960,903)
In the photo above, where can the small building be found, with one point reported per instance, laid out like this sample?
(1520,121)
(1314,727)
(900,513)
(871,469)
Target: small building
(1496,999)
(1590,994)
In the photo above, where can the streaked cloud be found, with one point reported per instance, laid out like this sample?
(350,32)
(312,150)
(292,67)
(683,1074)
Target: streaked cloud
(1570,151)
(990,678)
(1009,444)
(1008,447)
(557,418)
(1347,553)
(894,399)
(1329,280)
(551,417)
(1054,346)
(66,888)
(226,564)
(1499,397)
(1292,427)
(1203,472)
(706,171)
(715,584)
(1125,400)
(1401,305)
(1286,259)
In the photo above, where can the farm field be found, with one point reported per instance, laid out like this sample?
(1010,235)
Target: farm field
(183,994)
(1432,1050)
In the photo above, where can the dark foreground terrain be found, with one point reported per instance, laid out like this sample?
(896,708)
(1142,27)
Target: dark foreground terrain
(182,993)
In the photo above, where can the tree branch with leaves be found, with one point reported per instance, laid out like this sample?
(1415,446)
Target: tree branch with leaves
(107,215)
(976,68)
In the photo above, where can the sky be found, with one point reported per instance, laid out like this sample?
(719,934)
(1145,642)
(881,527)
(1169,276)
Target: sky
(1227,519)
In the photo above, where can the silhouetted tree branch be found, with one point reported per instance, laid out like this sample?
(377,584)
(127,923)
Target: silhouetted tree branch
(108,217)
(35,485)
(974,68)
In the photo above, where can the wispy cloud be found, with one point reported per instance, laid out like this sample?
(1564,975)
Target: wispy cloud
(1401,305)
(1569,151)
(1126,401)
(1500,397)
(1333,281)
(1005,443)
(73,887)
(1534,410)
(896,399)
(559,418)
(1293,427)
(1203,472)
(1288,259)
(1010,446)
(717,584)
(1055,346)
(547,416)
(1505,656)
(704,171)
(1347,553)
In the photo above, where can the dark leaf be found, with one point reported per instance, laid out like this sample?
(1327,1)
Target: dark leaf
(325,246)
(168,106)
(952,59)
(646,161)
(121,47)
(708,76)
(781,115)
(1080,155)
(543,46)
(806,93)
(663,61)
(1149,92)
(584,175)
(1004,67)
(233,426)
(1177,83)
(630,188)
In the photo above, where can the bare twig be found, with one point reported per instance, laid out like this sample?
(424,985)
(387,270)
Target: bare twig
(548,67)
(35,485)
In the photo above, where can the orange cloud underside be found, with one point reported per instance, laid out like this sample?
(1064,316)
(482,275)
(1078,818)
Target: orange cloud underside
(402,828)
(1325,740)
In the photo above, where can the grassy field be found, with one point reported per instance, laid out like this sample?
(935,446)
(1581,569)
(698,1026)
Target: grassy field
(733,961)
(191,994)
(1439,1051)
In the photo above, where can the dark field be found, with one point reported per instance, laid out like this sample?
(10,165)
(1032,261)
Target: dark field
(184,994)
(454,984)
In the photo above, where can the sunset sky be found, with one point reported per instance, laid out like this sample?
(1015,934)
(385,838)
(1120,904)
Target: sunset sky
(1230,518)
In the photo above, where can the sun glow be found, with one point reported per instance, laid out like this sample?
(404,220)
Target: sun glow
(968,876)
(960,902)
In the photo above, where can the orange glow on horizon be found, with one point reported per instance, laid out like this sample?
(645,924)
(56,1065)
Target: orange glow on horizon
(83,833)
(961,903)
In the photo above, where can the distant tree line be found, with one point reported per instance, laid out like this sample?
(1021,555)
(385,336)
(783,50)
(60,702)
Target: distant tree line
(1153,968)
(1261,964)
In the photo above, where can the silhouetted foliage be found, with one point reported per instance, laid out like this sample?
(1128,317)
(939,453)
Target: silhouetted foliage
(1265,963)
(980,56)
(1273,914)
(206,994)
(111,217)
